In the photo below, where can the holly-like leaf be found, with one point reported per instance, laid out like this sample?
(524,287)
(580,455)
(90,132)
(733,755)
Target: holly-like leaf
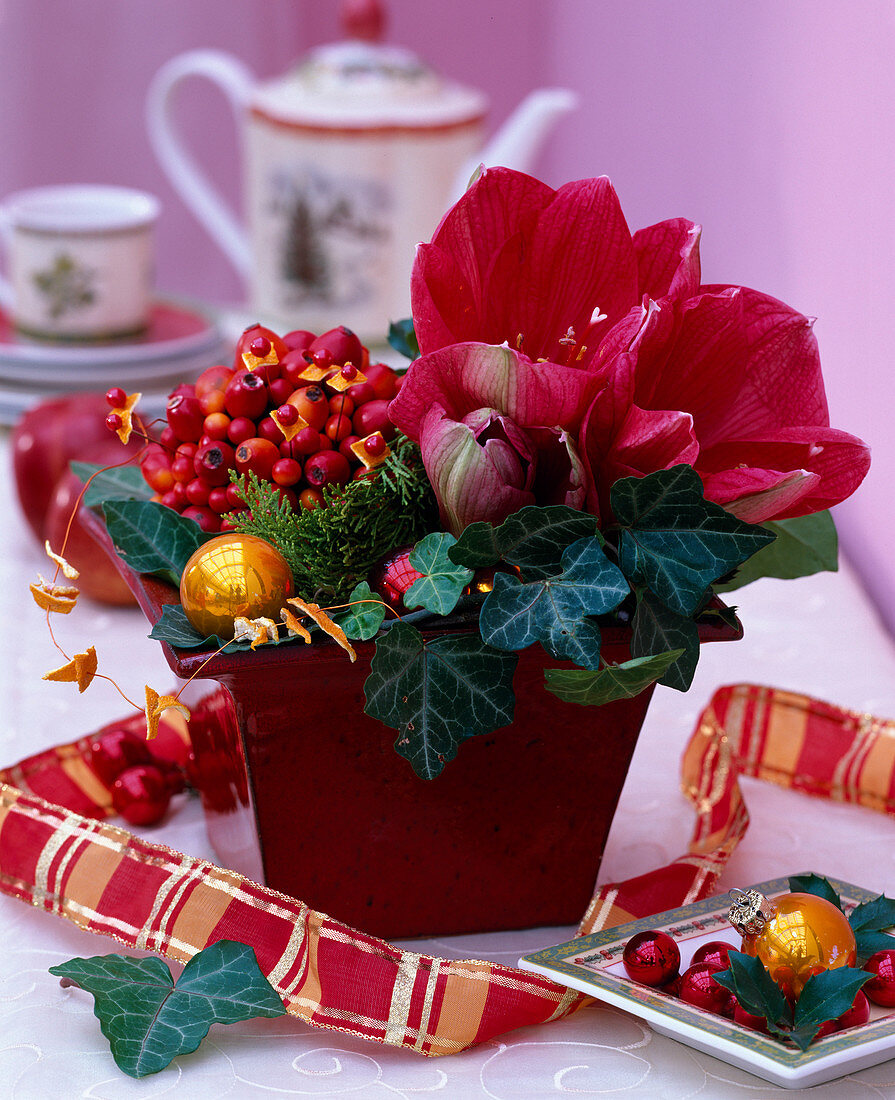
(555,611)
(442,582)
(868,943)
(150,1020)
(817,885)
(658,629)
(362,621)
(152,538)
(437,693)
(115,483)
(675,541)
(872,916)
(755,989)
(804,545)
(623,681)
(402,337)
(824,997)
(532,539)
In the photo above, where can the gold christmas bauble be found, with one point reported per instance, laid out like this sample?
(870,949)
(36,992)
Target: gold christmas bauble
(233,575)
(797,935)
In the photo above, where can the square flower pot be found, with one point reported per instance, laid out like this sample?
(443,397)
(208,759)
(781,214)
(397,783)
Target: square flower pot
(307,794)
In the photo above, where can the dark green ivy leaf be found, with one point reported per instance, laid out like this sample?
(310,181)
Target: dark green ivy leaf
(117,483)
(824,997)
(555,611)
(176,629)
(150,1020)
(804,545)
(675,541)
(152,538)
(532,539)
(437,693)
(815,884)
(442,582)
(658,629)
(402,337)
(755,989)
(362,621)
(623,681)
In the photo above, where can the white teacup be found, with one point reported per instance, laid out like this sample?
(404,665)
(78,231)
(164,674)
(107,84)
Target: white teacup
(80,261)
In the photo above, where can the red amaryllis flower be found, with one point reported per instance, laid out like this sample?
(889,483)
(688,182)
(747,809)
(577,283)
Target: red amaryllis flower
(724,378)
(496,431)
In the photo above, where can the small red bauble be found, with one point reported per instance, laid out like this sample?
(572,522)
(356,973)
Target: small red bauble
(747,1019)
(652,958)
(858,1014)
(113,751)
(392,576)
(699,988)
(141,794)
(881,989)
(714,952)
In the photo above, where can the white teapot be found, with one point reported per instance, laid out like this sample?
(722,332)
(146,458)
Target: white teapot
(351,159)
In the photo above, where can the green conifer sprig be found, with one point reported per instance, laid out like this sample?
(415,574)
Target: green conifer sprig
(331,549)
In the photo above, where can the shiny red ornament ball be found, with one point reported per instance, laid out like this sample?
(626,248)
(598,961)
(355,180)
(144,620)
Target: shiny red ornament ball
(714,952)
(881,989)
(652,958)
(699,988)
(393,576)
(858,1014)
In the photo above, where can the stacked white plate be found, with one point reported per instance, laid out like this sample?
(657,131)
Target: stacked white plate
(178,345)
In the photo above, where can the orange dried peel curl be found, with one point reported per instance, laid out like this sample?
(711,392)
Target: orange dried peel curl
(126,411)
(156,705)
(80,670)
(54,597)
(293,626)
(257,631)
(68,570)
(313,611)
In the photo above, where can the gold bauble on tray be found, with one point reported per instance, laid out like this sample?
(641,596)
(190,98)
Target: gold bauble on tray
(233,575)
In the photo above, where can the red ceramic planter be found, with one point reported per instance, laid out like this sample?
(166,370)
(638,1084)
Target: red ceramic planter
(306,791)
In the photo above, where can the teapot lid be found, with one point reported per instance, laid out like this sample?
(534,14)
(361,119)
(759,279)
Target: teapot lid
(360,83)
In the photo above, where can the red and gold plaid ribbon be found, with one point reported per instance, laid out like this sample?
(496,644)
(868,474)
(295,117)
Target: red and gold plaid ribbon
(106,880)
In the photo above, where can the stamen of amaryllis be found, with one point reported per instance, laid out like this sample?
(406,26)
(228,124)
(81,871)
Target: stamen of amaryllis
(572,352)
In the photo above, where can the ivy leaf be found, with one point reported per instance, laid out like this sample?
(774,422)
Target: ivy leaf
(118,483)
(815,884)
(437,693)
(658,629)
(824,997)
(176,629)
(675,541)
(755,989)
(532,539)
(150,1020)
(152,538)
(805,545)
(872,916)
(442,582)
(554,611)
(362,622)
(622,681)
(402,337)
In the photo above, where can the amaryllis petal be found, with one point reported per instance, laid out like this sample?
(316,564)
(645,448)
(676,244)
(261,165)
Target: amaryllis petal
(466,377)
(468,483)
(560,474)
(757,495)
(668,258)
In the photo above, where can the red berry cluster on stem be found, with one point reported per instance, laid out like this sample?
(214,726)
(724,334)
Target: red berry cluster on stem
(224,422)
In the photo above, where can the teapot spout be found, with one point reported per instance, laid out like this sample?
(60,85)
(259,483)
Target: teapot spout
(518,141)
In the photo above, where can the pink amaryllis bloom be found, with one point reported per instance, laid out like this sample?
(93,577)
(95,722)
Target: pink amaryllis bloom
(724,378)
(496,430)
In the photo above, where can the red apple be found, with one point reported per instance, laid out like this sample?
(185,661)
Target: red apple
(46,439)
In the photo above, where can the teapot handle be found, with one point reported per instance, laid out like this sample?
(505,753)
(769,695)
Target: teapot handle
(235,80)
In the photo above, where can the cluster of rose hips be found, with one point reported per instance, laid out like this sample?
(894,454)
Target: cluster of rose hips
(320,391)
(653,958)
(141,783)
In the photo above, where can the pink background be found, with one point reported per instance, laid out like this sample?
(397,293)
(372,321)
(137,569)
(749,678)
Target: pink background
(768,123)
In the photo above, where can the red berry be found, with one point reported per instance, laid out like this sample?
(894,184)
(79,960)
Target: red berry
(175,498)
(246,395)
(652,958)
(345,448)
(258,455)
(287,414)
(113,422)
(252,333)
(312,405)
(214,461)
(286,472)
(374,446)
(310,499)
(341,404)
(197,491)
(216,425)
(111,752)
(348,372)
(298,339)
(141,795)
(304,442)
(279,390)
(185,416)
(269,429)
(204,516)
(260,346)
(373,417)
(342,344)
(156,468)
(116,397)
(361,393)
(168,439)
(219,501)
(881,988)
(338,427)
(182,468)
(234,497)
(322,358)
(327,468)
(383,380)
(241,428)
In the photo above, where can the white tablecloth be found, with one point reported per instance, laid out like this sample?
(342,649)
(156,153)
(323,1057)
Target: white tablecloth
(818,635)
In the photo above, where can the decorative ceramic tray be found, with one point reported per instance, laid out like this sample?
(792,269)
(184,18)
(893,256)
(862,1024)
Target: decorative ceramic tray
(594,965)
